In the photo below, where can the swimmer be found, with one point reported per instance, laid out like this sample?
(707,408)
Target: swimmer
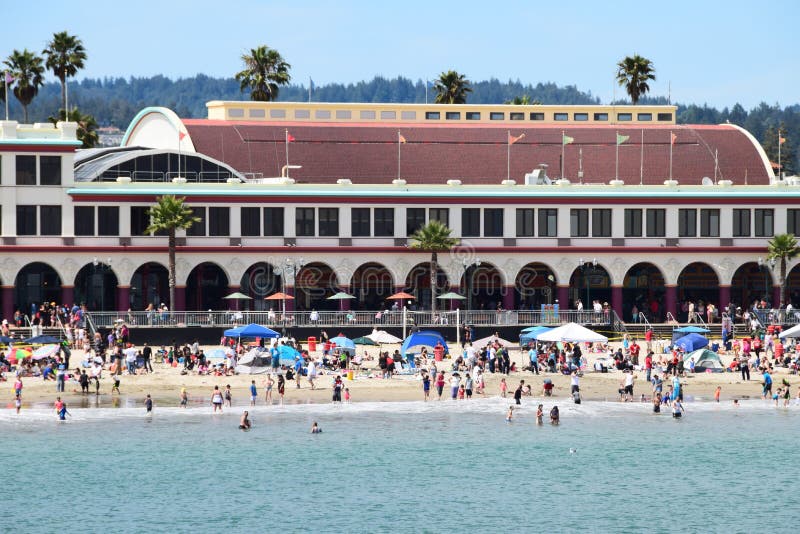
(554,416)
(148,404)
(540,415)
(510,414)
(572,450)
(677,409)
(244,422)
(315,429)
(61,409)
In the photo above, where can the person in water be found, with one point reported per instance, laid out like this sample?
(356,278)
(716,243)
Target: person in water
(554,416)
(61,409)
(216,399)
(510,414)
(540,415)
(244,422)
(148,404)
(315,429)
(656,404)
(677,409)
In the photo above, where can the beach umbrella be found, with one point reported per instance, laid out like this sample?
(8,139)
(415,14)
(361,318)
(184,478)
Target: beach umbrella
(691,329)
(45,351)
(238,296)
(572,333)
(791,332)
(41,340)
(19,353)
(451,296)
(400,296)
(364,341)
(5,340)
(691,342)
(423,338)
(483,342)
(382,336)
(287,354)
(216,353)
(341,295)
(279,296)
(343,342)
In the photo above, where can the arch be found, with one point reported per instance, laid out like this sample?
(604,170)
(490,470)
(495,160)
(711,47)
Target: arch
(751,282)
(793,286)
(483,286)
(698,282)
(206,284)
(35,284)
(588,283)
(149,285)
(96,285)
(418,283)
(535,286)
(259,281)
(314,283)
(371,284)
(643,287)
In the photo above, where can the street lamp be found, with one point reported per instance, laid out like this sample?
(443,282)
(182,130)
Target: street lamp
(587,267)
(467,264)
(101,267)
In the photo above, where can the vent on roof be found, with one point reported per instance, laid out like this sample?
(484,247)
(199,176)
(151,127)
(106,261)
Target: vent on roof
(538,176)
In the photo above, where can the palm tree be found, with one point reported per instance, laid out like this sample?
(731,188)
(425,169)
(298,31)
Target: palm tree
(264,71)
(434,237)
(27,70)
(524,100)
(634,73)
(168,215)
(87,126)
(782,247)
(65,55)
(451,88)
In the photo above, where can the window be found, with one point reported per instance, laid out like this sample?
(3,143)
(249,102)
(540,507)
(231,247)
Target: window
(470,222)
(687,223)
(219,221)
(493,222)
(84,220)
(304,222)
(388,115)
(548,222)
(322,114)
(26,220)
(709,223)
(656,223)
(383,222)
(328,222)
(601,223)
(50,170)
(561,116)
(525,222)
(537,116)
(302,114)
(50,220)
(108,220)
(793,222)
(624,117)
(368,114)
(579,223)
(664,117)
(343,114)
(251,221)
(273,222)
(601,116)
(453,115)
(633,223)
(580,117)
(140,220)
(257,113)
(432,116)
(644,117)
(497,116)
(473,115)
(360,222)
(765,222)
(415,219)
(277,113)
(440,214)
(516,116)
(236,113)
(741,223)
(408,115)
(198,229)
(26,170)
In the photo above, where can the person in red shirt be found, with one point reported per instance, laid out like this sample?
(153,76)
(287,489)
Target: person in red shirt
(634,349)
(648,364)
(648,337)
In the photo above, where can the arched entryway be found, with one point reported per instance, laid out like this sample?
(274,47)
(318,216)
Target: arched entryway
(259,281)
(34,285)
(314,283)
(96,286)
(535,287)
(643,291)
(589,282)
(483,286)
(150,285)
(418,283)
(793,287)
(751,282)
(205,288)
(371,284)
(697,283)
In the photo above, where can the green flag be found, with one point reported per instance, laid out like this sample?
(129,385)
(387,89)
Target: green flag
(622,138)
(565,139)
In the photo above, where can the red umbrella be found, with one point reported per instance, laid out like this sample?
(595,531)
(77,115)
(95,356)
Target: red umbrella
(279,296)
(400,296)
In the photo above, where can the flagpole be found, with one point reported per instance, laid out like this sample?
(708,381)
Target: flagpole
(563,174)
(287,147)
(779,152)
(66,100)
(5,85)
(671,143)
(398,154)
(508,155)
(641,162)
(179,152)
(616,165)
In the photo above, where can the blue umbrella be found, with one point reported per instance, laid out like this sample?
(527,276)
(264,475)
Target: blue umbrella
(692,330)
(423,338)
(287,354)
(691,342)
(343,342)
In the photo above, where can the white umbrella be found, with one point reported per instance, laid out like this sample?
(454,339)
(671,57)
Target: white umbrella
(573,333)
(792,332)
(382,336)
(480,343)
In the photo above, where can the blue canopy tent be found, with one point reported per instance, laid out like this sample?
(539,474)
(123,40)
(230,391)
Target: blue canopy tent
(287,354)
(692,342)
(251,330)
(531,334)
(692,330)
(423,338)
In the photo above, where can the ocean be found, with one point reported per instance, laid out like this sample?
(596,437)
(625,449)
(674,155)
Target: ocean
(402,467)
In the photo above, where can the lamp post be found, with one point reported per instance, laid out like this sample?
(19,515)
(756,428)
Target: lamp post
(101,267)
(587,267)
(467,264)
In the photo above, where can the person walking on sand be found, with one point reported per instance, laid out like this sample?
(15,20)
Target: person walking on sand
(440,384)
(18,387)
(767,384)
(269,383)
(216,399)
(281,387)
(253,393)
(312,373)
(184,398)
(115,387)
(426,386)
(148,404)
(518,392)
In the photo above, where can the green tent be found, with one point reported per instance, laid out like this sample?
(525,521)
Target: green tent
(704,360)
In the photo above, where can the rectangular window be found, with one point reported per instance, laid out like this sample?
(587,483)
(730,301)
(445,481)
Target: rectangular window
(84,220)
(493,222)
(624,117)
(793,222)
(415,219)
(470,222)
(318,114)
(656,222)
(388,115)
(344,114)
(277,113)
(561,116)
(452,115)
(26,170)
(687,223)
(140,220)
(525,222)
(709,223)
(198,229)
(383,222)
(108,220)
(236,113)
(473,115)
(579,223)
(633,222)
(497,116)
(580,117)
(50,170)
(302,114)
(765,222)
(273,222)
(367,114)
(328,222)
(219,221)
(408,115)
(360,222)
(644,117)
(26,220)
(601,117)
(548,222)
(432,116)
(439,214)
(664,117)
(601,223)
(250,221)
(537,116)
(304,222)
(50,220)
(741,223)
(516,116)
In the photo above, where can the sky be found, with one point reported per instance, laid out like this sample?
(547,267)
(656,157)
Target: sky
(715,52)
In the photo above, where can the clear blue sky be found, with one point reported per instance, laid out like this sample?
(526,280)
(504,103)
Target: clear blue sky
(716,52)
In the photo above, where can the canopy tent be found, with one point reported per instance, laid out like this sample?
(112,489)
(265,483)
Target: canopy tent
(691,342)
(531,334)
(705,360)
(573,333)
(791,332)
(41,340)
(382,336)
(344,343)
(691,329)
(251,330)
(423,338)
(480,343)
(364,341)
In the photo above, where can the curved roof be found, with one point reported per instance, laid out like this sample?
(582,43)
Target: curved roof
(367,153)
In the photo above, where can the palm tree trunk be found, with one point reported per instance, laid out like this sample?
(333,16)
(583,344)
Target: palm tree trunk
(25,112)
(783,284)
(433,283)
(171,267)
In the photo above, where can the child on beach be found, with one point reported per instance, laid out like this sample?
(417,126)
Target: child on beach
(656,404)
(426,386)
(148,404)
(509,414)
(281,387)
(61,409)
(253,393)
(347,395)
(184,398)
(717,392)
(503,387)
(540,415)
(115,387)
(440,384)
(228,395)
(17,403)
(677,409)
(461,392)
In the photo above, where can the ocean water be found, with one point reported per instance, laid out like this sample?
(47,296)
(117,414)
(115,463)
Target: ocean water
(402,467)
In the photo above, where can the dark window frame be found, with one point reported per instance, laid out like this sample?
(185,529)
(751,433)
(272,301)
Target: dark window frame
(741,222)
(249,221)
(579,222)
(83,220)
(360,222)
(274,222)
(219,221)
(383,222)
(108,220)
(656,222)
(709,222)
(764,222)
(526,222)
(547,222)
(602,222)
(470,222)
(633,222)
(687,222)
(493,222)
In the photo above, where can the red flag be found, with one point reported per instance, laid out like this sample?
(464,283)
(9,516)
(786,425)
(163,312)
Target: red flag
(289,138)
(400,138)
(512,139)
(672,138)
(181,135)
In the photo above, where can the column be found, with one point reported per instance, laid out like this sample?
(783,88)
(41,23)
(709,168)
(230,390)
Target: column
(616,301)
(345,303)
(7,297)
(68,295)
(289,302)
(123,298)
(776,296)
(671,301)
(180,299)
(508,297)
(563,298)
(724,298)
